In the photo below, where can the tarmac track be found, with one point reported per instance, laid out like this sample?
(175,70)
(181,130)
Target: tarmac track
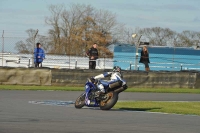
(19,114)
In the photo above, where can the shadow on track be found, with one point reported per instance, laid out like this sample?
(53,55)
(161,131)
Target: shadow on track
(122,109)
(138,109)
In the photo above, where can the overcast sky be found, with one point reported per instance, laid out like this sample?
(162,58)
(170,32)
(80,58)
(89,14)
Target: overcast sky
(17,16)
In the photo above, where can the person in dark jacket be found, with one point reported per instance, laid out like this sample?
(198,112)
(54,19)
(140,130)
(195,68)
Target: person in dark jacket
(144,58)
(39,55)
(93,54)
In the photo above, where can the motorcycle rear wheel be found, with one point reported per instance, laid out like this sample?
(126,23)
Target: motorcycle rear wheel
(80,101)
(110,101)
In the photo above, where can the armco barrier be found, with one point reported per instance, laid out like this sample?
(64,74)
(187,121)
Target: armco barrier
(78,77)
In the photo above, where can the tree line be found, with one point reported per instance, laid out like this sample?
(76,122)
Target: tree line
(74,30)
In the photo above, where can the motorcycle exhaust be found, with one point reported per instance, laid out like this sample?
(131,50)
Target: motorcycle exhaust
(116,84)
(119,90)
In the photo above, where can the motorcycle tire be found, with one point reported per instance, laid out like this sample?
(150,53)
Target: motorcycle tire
(80,101)
(110,101)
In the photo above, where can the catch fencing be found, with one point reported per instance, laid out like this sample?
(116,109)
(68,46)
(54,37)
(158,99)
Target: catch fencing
(161,58)
(11,57)
(175,61)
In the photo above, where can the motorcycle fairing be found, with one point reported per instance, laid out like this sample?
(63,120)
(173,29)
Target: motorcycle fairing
(88,87)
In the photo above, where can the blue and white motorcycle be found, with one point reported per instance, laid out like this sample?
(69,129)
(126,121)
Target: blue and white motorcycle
(105,101)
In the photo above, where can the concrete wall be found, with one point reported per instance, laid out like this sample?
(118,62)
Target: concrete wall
(73,77)
(24,76)
(161,79)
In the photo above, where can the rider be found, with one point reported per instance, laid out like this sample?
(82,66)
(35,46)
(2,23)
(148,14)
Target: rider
(115,79)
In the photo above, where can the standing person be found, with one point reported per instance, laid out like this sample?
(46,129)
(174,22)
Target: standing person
(39,55)
(144,58)
(93,54)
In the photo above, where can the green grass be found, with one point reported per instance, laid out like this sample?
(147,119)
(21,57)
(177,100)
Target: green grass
(186,108)
(25,87)
(67,88)
(164,90)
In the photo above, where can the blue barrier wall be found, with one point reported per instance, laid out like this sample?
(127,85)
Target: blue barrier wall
(161,58)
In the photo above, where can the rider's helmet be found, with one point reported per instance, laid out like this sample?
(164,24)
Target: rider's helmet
(117,69)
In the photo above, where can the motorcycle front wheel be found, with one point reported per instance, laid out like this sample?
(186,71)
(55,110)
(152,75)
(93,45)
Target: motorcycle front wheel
(109,101)
(80,101)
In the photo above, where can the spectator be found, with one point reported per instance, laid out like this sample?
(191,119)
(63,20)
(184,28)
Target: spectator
(92,53)
(39,55)
(144,58)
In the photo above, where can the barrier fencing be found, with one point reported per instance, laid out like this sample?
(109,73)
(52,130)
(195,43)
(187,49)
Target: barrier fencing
(10,57)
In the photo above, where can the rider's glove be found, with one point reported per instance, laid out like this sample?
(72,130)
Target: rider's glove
(92,79)
(124,85)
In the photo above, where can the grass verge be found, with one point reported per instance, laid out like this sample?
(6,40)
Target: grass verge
(66,88)
(25,87)
(185,108)
(164,90)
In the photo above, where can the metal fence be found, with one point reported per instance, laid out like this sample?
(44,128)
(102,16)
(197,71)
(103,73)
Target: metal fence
(182,59)
(53,61)
(10,57)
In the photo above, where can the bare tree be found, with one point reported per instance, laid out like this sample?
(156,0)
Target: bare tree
(28,45)
(79,27)
(21,47)
(76,26)
(54,32)
(189,38)
(158,36)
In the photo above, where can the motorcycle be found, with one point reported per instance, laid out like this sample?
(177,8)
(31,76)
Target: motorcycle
(92,98)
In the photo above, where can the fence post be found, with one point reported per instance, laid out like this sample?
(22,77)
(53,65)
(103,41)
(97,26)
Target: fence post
(136,51)
(130,65)
(76,64)
(34,37)
(181,67)
(18,61)
(104,62)
(29,62)
(2,46)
